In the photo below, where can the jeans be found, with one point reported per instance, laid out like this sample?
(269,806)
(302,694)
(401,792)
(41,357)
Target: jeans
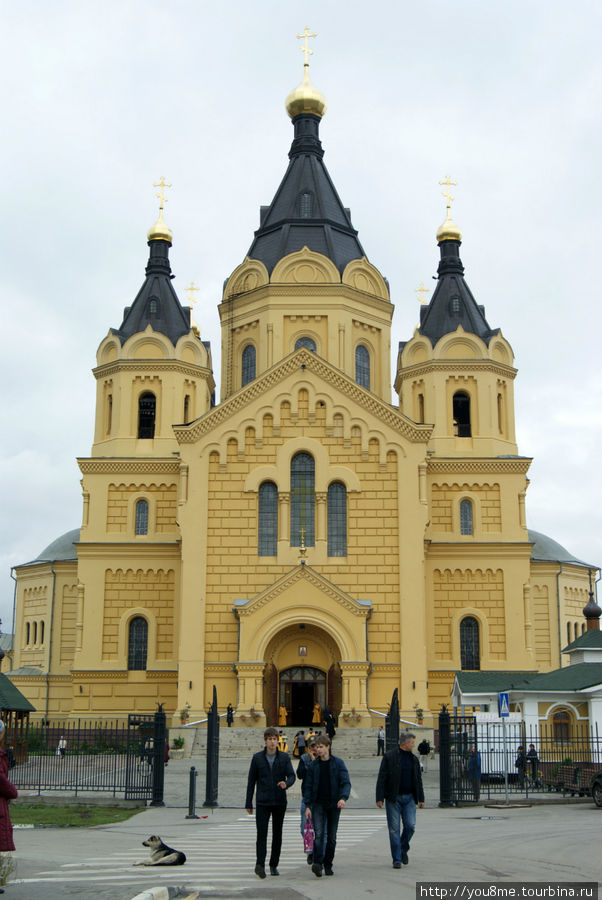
(262,817)
(404,809)
(326,822)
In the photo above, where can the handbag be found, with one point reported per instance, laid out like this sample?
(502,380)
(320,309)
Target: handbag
(308,836)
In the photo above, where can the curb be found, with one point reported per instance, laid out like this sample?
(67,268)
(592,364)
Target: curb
(166,893)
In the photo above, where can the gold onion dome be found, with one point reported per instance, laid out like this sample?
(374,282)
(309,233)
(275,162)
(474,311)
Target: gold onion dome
(160,231)
(305,98)
(448,231)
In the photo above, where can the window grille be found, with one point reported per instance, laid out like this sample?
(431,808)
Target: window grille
(147,405)
(141,517)
(305,205)
(337,519)
(470,651)
(267,532)
(249,357)
(362,366)
(306,342)
(466,525)
(137,644)
(302,500)
(461,413)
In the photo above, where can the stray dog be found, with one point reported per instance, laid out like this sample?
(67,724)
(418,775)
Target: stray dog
(161,854)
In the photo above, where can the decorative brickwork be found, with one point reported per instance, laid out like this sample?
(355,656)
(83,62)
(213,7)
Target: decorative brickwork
(470,589)
(164,506)
(150,590)
(443,497)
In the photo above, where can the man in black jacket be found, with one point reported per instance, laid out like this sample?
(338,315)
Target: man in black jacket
(326,789)
(272,771)
(399,786)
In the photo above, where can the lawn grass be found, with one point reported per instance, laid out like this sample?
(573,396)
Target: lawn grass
(46,814)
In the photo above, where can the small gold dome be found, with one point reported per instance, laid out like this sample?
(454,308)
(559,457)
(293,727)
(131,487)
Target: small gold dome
(160,231)
(448,231)
(305,98)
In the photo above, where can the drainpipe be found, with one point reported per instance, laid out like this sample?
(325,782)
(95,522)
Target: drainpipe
(14,615)
(368,617)
(50,639)
(237,655)
(558,574)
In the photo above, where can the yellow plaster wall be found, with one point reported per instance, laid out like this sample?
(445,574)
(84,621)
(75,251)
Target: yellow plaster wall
(474,589)
(540,596)
(443,497)
(152,590)
(67,623)
(163,510)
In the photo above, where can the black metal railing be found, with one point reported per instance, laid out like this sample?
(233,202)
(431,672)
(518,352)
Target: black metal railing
(80,756)
(524,762)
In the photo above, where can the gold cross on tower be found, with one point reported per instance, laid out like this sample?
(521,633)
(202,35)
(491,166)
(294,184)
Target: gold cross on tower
(161,195)
(191,291)
(422,291)
(305,48)
(448,183)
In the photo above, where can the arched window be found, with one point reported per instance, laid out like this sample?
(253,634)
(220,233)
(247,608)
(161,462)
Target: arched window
(337,519)
(470,652)
(137,644)
(42,629)
(500,413)
(248,364)
(27,633)
(561,724)
(306,342)
(147,404)
(466,526)
(305,205)
(362,366)
(568,632)
(109,413)
(303,500)
(421,408)
(35,633)
(461,413)
(141,517)
(153,307)
(455,307)
(186,408)
(267,529)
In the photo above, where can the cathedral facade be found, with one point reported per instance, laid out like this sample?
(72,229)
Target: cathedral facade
(304,539)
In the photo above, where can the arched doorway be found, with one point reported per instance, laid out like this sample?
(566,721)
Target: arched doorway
(299,688)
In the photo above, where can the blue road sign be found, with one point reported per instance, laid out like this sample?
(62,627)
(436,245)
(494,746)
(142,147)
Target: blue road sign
(503,705)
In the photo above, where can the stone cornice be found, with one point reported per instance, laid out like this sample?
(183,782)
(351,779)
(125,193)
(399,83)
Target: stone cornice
(481,466)
(355,665)
(357,608)
(121,674)
(152,365)
(122,466)
(219,667)
(458,551)
(318,290)
(127,550)
(297,361)
(385,667)
(457,365)
(441,675)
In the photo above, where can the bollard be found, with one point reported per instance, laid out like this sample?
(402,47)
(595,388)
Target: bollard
(192,794)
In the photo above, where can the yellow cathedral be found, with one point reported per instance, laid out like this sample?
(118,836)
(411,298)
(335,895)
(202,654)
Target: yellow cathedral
(304,540)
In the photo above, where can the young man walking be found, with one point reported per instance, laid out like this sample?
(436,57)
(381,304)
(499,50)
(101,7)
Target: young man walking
(326,789)
(399,786)
(272,771)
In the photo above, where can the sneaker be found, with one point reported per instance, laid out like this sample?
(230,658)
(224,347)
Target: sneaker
(274,870)
(404,858)
(317,870)
(260,871)
(328,870)
(397,865)
(310,859)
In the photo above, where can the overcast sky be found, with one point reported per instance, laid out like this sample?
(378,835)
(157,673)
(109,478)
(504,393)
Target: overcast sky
(102,98)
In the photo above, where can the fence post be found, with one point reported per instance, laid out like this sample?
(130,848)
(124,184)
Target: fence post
(192,794)
(159,734)
(212,754)
(445,791)
(392,723)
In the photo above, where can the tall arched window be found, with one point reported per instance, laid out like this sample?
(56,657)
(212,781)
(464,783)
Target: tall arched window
(35,633)
(561,725)
(303,500)
(306,342)
(362,366)
(147,405)
(466,524)
(267,529)
(249,357)
(470,651)
(27,633)
(186,408)
(141,525)
(42,630)
(137,643)
(461,413)
(337,519)
(305,205)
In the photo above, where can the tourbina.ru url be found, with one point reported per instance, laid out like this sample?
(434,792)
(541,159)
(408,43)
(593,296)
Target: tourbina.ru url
(522,890)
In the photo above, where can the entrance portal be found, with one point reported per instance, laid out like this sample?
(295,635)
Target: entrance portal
(300,688)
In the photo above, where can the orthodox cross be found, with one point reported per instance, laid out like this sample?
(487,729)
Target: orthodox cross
(448,194)
(422,290)
(191,290)
(305,48)
(161,195)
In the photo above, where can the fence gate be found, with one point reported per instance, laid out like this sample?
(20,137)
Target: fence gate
(140,758)
(459,780)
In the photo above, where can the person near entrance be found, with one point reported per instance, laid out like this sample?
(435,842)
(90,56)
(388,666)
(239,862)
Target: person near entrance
(329,722)
(282,715)
(399,786)
(317,714)
(380,742)
(271,771)
(326,789)
(229,715)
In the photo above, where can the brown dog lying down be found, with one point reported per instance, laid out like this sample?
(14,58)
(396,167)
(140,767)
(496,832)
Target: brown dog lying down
(161,854)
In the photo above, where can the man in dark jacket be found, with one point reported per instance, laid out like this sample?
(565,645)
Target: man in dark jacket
(272,771)
(399,786)
(326,789)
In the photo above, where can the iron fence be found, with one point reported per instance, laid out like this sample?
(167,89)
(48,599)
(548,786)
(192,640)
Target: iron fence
(527,762)
(109,756)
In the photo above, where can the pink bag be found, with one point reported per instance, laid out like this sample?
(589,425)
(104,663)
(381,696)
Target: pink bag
(308,836)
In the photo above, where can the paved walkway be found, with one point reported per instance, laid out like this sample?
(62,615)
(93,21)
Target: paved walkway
(551,843)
